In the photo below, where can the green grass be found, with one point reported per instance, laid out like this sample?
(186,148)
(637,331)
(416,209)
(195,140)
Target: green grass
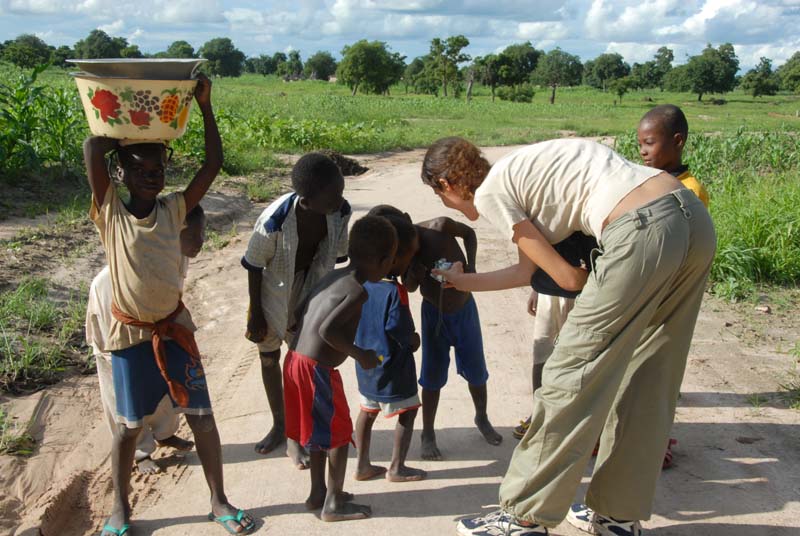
(38,336)
(13,441)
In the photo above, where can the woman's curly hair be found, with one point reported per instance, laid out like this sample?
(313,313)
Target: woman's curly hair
(458,162)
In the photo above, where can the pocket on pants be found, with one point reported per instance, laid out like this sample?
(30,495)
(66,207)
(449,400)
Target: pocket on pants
(575,352)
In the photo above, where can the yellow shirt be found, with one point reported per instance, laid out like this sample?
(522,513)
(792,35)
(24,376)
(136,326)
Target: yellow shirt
(694,185)
(144,258)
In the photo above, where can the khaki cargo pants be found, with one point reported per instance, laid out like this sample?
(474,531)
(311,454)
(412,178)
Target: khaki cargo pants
(617,368)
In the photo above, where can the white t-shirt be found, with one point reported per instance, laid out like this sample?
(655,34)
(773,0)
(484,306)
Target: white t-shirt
(144,257)
(562,186)
(98,310)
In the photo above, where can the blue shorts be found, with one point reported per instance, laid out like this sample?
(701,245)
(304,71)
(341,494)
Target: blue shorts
(139,387)
(461,330)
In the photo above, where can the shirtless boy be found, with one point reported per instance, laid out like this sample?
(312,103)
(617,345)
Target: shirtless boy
(317,414)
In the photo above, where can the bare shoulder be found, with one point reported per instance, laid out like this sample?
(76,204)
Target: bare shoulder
(435,224)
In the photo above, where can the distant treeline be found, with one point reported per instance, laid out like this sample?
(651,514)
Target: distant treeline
(513,74)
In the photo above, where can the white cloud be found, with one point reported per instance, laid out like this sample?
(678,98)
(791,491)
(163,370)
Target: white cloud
(113,28)
(550,31)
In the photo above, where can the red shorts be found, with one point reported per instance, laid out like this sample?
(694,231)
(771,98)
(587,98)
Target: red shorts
(317,414)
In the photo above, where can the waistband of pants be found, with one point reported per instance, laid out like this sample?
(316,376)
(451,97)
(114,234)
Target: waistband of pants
(682,199)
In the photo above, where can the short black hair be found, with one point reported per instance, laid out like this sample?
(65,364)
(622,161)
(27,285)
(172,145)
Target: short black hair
(406,232)
(313,173)
(388,210)
(372,238)
(197,214)
(670,117)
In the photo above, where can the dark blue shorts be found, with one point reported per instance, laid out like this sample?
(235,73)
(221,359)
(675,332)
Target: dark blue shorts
(139,387)
(460,330)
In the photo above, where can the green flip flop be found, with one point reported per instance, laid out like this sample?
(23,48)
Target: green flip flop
(223,520)
(117,532)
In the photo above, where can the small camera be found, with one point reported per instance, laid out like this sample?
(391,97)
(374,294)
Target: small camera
(441,264)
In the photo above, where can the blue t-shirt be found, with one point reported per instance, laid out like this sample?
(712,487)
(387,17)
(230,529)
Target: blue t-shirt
(386,326)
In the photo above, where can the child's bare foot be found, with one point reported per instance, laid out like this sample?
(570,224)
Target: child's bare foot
(369,472)
(177,443)
(234,521)
(317,501)
(405,474)
(344,511)
(489,433)
(298,454)
(429,449)
(271,441)
(147,466)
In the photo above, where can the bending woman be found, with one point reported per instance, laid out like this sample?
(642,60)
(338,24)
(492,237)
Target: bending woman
(616,370)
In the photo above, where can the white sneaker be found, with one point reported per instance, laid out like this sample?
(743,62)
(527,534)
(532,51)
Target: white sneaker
(584,518)
(498,523)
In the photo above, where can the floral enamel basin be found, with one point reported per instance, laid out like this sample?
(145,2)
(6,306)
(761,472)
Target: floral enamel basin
(147,68)
(136,109)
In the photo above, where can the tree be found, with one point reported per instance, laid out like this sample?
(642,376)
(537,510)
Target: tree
(262,65)
(789,74)
(662,64)
(713,70)
(677,79)
(621,86)
(421,75)
(26,51)
(224,59)
(761,80)
(98,44)
(487,70)
(447,55)
(369,65)
(558,68)
(605,68)
(131,51)
(180,49)
(59,56)
(320,66)
(517,62)
(292,67)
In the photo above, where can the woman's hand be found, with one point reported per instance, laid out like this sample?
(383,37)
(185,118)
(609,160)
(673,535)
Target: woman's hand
(453,276)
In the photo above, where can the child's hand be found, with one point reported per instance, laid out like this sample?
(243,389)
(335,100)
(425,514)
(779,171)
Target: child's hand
(203,90)
(415,341)
(256,327)
(452,275)
(369,359)
(532,302)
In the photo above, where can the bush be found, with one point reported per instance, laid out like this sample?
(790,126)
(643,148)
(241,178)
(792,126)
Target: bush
(520,93)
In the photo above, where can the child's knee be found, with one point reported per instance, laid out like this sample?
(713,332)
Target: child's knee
(201,423)
(270,360)
(407,417)
(127,434)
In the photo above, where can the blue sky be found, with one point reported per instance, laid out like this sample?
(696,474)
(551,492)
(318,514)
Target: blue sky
(634,28)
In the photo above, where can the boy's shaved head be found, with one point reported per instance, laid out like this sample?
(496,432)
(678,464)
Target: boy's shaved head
(670,117)
(372,238)
(313,173)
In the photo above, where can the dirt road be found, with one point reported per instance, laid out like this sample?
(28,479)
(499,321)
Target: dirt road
(736,466)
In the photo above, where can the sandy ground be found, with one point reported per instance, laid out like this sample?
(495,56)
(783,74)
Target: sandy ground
(736,465)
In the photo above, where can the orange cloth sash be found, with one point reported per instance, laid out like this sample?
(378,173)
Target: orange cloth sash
(166,327)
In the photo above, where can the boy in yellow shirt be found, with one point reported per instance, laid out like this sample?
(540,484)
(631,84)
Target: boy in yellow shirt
(662,136)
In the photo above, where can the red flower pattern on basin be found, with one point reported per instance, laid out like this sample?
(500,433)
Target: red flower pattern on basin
(139,117)
(107,103)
